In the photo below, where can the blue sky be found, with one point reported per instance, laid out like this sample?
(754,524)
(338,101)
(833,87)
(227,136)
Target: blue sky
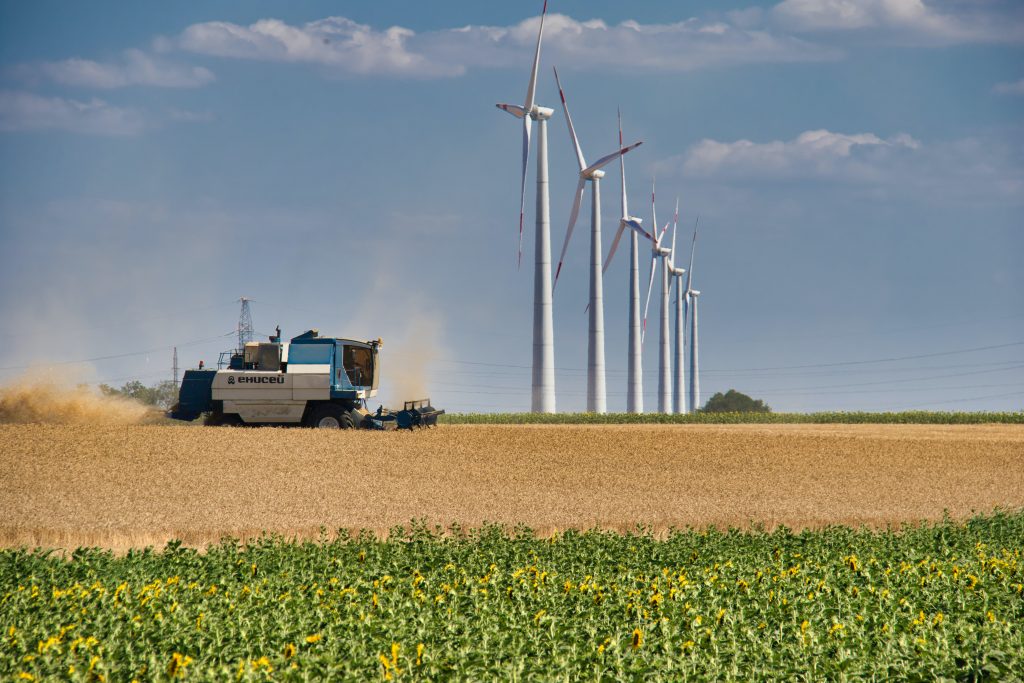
(858,168)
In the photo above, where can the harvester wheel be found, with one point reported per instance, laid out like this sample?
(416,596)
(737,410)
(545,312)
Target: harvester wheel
(330,416)
(218,419)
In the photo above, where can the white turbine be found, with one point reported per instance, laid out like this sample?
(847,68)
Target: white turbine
(634,376)
(597,398)
(664,360)
(543,400)
(679,363)
(691,304)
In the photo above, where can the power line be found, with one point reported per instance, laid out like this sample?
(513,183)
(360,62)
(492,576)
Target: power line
(900,381)
(962,400)
(1000,365)
(1016,366)
(119,355)
(144,318)
(884,360)
(516,391)
(877,333)
(781,367)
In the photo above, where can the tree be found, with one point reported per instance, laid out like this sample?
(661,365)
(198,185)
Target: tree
(733,401)
(161,395)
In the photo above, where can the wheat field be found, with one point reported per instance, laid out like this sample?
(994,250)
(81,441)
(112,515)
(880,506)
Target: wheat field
(122,486)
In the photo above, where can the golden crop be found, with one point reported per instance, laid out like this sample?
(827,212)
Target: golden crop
(128,486)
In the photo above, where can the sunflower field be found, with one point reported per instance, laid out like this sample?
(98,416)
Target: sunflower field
(943,601)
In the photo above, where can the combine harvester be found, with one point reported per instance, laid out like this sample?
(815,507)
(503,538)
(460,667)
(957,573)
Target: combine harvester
(312,381)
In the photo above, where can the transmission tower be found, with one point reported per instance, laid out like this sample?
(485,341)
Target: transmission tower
(245,333)
(175,368)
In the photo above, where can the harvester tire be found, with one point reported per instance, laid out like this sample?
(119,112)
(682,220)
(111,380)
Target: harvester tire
(330,416)
(217,419)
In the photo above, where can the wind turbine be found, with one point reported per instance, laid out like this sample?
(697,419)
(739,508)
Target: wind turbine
(634,376)
(597,398)
(691,301)
(543,400)
(664,359)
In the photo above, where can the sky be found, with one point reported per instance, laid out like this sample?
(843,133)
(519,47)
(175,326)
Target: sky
(857,166)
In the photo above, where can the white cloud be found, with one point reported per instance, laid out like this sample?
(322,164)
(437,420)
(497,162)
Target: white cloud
(912,22)
(1009,88)
(681,46)
(812,153)
(970,171)
(134,68)
(335,42)
(27,111)
(189,116)
(350,48)
(24,111)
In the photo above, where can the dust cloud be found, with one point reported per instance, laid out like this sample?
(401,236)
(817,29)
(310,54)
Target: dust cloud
(43,398)
(406,361)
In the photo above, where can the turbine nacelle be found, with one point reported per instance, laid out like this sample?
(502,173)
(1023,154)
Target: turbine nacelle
(537,113)
(596,174)
(635,224)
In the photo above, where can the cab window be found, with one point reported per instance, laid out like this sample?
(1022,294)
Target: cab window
(358,361)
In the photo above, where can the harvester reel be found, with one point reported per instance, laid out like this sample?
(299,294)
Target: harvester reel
(415,414)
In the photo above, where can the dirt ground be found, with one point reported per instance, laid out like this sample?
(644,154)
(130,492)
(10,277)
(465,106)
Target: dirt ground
(132,486)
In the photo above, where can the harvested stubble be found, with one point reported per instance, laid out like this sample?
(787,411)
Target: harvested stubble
(131,486)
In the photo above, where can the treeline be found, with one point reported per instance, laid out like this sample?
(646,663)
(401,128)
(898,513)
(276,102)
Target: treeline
(907,417)
(163,395)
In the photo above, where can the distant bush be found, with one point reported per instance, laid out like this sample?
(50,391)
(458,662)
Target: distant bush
(733,401)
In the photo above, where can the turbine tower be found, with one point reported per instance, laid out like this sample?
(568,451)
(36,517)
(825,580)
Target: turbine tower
(597,397)
(245,332)
(664,358)
(174,368)
(691,301)
(678,344)
(634,376)
(543,400)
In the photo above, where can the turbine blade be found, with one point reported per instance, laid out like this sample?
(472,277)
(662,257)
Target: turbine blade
(675,226)
(610,157)
(650,286)
(693,247)
(527,124)
(622,171)
(654,217)
(532,88)
(513,109)
(572,224)
(615,245)
(568,119)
